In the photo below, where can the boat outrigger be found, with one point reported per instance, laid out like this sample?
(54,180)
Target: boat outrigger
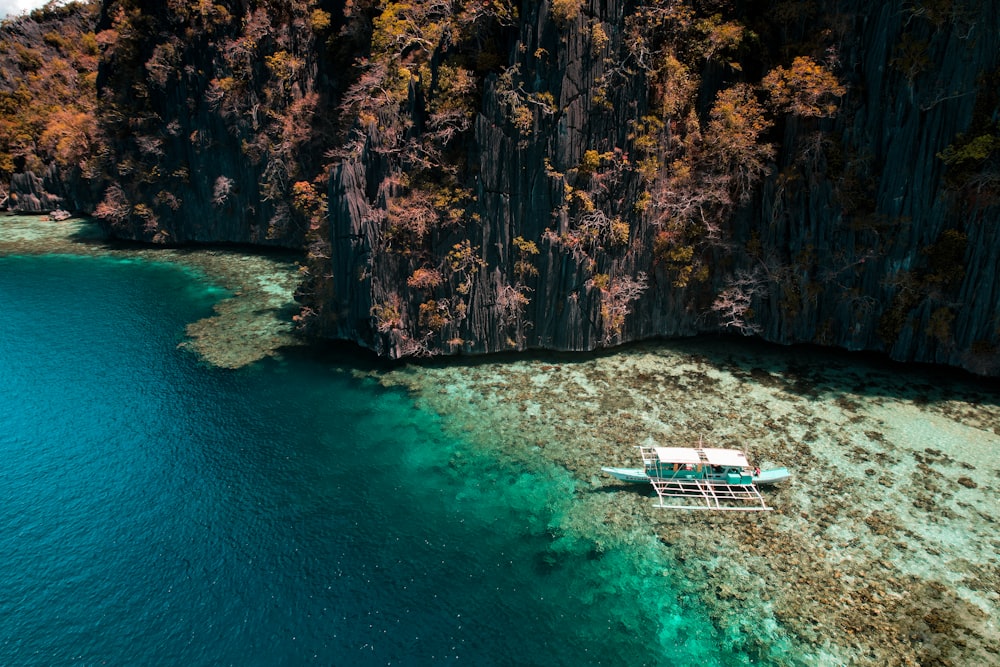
(701,478)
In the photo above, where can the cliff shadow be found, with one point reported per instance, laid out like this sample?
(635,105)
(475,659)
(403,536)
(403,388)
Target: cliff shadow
(814,372)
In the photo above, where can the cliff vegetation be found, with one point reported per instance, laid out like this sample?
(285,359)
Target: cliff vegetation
(478,176)
(50,144)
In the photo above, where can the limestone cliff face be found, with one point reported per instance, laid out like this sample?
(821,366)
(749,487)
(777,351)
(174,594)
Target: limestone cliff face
(877,249)
(56,189)
(529,283)
(29,194)
(209,115)
(575,174)
(48,147)
(853,238)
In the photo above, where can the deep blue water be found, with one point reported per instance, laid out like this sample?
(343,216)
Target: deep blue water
(156,511)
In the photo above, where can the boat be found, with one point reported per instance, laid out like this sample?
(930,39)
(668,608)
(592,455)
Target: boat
(638,475)
(771,476)
(701,478)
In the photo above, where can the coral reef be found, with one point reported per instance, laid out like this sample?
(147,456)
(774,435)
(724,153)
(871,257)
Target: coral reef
(883,547)
(253,322)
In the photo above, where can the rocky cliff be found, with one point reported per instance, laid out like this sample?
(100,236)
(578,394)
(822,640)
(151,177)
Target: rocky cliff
(211,112)
(478,177)
(50,153)
(847,225)
(881,233)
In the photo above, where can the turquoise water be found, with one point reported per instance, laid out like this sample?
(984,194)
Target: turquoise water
(157,511)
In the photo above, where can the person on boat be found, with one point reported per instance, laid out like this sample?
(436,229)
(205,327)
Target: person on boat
(756,471)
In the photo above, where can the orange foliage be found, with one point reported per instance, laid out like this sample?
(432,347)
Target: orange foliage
(69,137)
(425,279)
(737,122)
(806,89)
(48,69)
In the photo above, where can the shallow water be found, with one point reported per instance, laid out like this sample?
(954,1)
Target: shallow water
(159,511)
(882,549)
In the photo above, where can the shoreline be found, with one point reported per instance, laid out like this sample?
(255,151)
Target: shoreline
(252,323)
(263,280)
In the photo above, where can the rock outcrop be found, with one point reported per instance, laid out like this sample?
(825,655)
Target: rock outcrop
(856,237)
(470,178)
(49,152)
(28,194)
(208,112)
(53,191)
(879,249)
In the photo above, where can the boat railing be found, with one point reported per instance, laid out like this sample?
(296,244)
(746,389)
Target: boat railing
(686,488)
(697,494)
(650,459)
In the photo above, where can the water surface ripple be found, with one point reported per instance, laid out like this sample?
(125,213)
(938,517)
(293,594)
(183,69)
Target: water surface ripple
(158,511)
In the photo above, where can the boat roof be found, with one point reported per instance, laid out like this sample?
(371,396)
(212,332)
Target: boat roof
(714,457)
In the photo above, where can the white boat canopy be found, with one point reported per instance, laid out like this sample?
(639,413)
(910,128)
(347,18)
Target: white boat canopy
(730,458)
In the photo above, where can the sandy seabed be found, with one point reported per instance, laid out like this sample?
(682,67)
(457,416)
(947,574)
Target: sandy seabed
(881,550)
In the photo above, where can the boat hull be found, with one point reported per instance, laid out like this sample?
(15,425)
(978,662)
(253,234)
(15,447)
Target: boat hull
(633,475)
(638,475)
(772,476)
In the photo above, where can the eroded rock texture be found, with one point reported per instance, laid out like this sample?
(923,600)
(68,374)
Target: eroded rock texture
(480,177)
(853,235)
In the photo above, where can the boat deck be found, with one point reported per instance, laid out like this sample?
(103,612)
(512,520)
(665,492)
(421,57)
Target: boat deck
(681,491)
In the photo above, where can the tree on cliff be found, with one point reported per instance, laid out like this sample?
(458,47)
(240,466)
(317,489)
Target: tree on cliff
(670,183)
(488,175)
(48,70)
(195,95)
